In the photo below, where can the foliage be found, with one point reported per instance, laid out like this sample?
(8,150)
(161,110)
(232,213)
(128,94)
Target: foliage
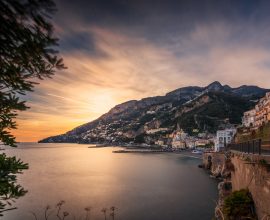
(262,133)
(216,111)
(140,138)
(10,165)
(26,54)
(239,205)
(263,162)
(146,118)
(9,190)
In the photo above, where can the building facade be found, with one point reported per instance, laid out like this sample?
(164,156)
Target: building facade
(248,120)
(179,140)
(258,116)
(224,137)
(179,145)
(262,111)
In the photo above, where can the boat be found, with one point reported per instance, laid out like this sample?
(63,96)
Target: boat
(196,152)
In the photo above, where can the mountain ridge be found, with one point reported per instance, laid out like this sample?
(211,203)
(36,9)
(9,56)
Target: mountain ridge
(132,120)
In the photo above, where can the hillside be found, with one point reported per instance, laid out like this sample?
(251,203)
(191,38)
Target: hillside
(211,111)
(201,108)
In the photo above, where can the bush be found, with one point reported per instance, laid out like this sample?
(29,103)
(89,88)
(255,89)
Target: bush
(263,162)
(239,205)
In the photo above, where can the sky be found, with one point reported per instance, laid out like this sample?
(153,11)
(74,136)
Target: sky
(121,50)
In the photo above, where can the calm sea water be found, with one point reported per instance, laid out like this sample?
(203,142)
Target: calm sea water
(141,186)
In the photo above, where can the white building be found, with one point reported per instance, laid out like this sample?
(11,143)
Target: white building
(153,131)
(248,120)
(224,137)
(150,112)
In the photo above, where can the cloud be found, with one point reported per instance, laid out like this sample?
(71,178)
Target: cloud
(119,58)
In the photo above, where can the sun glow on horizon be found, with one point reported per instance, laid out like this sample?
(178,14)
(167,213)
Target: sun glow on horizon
(108,66)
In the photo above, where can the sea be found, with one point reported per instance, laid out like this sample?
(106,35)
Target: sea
(89,179)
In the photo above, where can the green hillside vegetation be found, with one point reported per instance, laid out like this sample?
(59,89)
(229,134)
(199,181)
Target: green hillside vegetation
(220,108)
(262,133)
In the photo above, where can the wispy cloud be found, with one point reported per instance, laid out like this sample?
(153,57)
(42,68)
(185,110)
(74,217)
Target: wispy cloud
(109,62)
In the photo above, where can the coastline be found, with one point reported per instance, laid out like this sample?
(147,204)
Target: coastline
(153,149)
(149,151)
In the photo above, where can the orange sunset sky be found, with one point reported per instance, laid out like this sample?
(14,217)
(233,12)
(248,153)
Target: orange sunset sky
(149,50)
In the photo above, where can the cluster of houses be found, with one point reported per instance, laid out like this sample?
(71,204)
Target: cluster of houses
(181,140)
(166,137)
(252,119)
(258,116)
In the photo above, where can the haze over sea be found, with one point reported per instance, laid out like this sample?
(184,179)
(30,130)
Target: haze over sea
(141,186)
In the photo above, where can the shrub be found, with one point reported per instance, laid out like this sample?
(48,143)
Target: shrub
(239,205)
(263,162)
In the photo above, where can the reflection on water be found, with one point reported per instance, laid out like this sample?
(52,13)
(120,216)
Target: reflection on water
(141,186)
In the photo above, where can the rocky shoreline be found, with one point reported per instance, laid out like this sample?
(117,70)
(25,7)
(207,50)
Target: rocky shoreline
(219,166)
(244,186)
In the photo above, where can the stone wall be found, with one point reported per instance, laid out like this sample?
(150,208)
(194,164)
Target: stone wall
(249,171)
